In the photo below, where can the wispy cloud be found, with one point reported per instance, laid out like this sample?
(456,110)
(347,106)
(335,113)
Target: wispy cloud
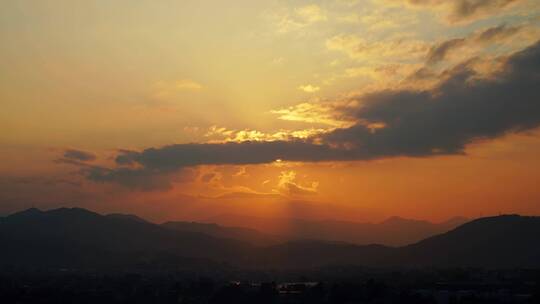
(492,35)
(361,49)
(311,13)
(291,20)
(79,155)
(288,185)
(308,88)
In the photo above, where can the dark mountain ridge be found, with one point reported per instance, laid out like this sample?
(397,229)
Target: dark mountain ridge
(505,241)
(394,231)
(74,237)
(79,238)
(499,241)
(236,233)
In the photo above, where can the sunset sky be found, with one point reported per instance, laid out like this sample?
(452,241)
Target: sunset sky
(345,109)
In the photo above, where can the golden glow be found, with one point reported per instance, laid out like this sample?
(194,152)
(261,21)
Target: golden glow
(105,76)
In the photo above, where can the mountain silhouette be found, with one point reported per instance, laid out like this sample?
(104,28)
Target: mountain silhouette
(127,217)
(395,231)
(237,233)
(74,237)
(78,238)
(505,241)
(500,241)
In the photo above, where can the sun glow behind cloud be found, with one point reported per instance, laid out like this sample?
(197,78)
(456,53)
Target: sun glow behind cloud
(84,85)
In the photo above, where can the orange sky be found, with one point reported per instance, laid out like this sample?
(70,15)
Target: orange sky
(359,107)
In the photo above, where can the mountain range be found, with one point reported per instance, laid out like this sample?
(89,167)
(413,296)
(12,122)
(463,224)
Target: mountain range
(81,239)
(394,231)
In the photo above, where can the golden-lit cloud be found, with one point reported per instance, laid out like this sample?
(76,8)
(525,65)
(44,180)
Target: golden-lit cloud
(383,76)
(309,88)
(311,13)
(289,20)
(288,185)
(389,124)
(318,113)
(361,49)
(200,102)
(221,134)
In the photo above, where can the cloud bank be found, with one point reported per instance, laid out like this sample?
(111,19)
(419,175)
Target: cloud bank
(496,34)
(78,155)
(465,107)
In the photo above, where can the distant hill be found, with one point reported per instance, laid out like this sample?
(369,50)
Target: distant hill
(73,237)
(81,239)
(395,231)
(128,217)
(237,233)
(500,241)
(494,242)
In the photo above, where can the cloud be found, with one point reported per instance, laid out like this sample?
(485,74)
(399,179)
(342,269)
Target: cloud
(439,52)
(217,134)
(287,21)
(309,88)
(242,172)
(311,13)
(37,180)
(170,158)
(385,75)
(463,108)
(79,155)
(371,51)
(144,179)
(496,34)
(331,114)
(288,186)
(463,11)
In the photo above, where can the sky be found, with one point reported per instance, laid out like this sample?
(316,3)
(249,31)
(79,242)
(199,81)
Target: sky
(351,110)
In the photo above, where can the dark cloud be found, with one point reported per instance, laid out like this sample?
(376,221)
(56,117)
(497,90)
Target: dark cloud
(152,168)
(155,167)
(170,158)
(440,51)
(79,155)
(422,73)
(37,180)
(144,179)
(464,9)
(497,33)
(462,109)
(443,121)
